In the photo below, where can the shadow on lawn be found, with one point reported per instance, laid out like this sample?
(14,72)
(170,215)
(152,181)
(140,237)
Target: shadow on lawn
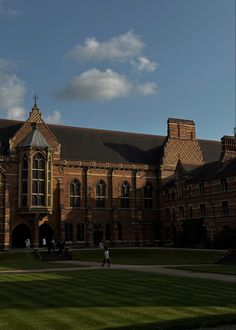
(182,324)
(107,288)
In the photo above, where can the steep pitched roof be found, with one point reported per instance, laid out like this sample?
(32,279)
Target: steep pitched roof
(211,170)
(211,150)
(110,146)
(104,145)
(34,139)
(206,172)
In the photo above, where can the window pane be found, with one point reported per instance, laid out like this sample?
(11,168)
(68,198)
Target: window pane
(41,187)
(35,187)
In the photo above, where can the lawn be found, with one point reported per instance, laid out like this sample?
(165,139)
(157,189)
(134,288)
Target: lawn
(220,269)
(25,260)
(112,299)
(148,256)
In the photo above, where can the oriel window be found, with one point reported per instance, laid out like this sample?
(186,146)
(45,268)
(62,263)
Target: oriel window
(24,180)
(38,180)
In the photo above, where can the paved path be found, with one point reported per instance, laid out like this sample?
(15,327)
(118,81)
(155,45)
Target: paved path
(159,269)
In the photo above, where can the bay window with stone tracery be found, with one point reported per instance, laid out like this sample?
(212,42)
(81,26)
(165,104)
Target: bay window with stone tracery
(35,180)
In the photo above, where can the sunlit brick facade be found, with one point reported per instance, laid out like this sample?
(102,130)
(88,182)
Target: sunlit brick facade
(86,185)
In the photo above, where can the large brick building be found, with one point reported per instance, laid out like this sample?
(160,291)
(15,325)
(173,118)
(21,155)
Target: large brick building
(88,185)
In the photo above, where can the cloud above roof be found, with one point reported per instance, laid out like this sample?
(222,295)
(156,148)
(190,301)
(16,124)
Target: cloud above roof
(12,91)
(53,118)
(120,48)
(105,85)
(95,85)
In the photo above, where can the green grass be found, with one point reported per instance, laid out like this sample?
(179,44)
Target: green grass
(112,299)
(151,256)
(220,269)
(25,260)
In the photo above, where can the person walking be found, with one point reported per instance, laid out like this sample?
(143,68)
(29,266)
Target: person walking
(106,257)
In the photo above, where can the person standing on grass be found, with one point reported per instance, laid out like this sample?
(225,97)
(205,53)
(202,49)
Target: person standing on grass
(101,245)
(106,257)
(44,242)
(27,243)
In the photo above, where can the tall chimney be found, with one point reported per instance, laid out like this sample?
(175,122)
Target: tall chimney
(228,147)
(181,129)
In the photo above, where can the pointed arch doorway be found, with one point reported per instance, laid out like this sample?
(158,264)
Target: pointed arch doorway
(45,231)
(19,234)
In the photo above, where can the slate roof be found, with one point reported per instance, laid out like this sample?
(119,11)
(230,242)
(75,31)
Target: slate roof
(34,139)
(206,172)
(212,170)
(107,146)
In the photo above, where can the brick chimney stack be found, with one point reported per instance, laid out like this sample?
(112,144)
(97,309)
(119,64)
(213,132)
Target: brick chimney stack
(228,147)
(181,129)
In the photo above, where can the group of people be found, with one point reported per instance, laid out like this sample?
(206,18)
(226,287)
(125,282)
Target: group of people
(51,245)
(61,245)
(106,255)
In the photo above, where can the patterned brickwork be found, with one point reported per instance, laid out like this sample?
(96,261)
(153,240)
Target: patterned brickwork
(188,151)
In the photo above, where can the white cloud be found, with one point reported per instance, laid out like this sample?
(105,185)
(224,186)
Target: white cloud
(6,64)
(16,113)
(144,64)
(97,86)
(148,88)
(119,48)
(53,118)
(12,91)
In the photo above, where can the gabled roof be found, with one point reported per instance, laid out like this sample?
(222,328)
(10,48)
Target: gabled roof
(206,172)
(34,139)
(212,170)
(107,146)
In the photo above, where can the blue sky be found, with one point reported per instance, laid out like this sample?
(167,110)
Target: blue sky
(124,65)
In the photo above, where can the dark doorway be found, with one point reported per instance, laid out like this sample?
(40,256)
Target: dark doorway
(97,234)
(45,231)
(19,235)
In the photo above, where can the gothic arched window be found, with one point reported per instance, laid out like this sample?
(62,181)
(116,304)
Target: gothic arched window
(148,199)
(124,195)
(100,194)
(75,193)
(24,180)
(38,180)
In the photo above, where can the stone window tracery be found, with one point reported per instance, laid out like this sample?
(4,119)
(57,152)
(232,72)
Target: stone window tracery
(100,194)
(75,188)
(125,195)
(38,180)
(148,192)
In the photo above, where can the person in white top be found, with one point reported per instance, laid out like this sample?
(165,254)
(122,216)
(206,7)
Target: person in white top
(106,257)
(44,242)
(27,243)
(101,245)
